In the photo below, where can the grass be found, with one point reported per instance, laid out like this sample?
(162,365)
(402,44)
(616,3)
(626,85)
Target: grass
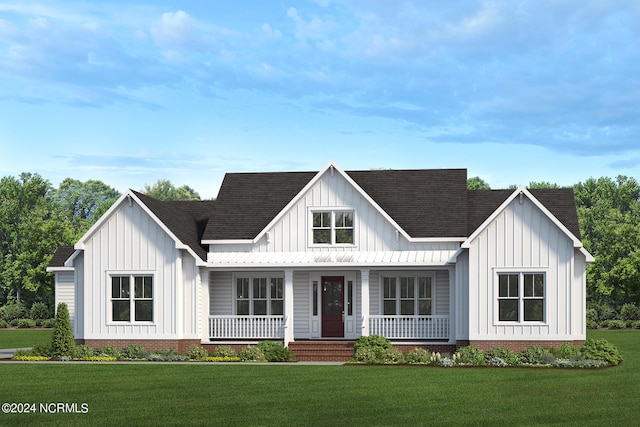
(22,338)
(217,394)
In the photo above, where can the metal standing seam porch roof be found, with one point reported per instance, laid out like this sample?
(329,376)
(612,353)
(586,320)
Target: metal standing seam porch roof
(437,257)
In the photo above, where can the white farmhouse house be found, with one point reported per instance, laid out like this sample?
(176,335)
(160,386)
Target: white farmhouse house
(326,257)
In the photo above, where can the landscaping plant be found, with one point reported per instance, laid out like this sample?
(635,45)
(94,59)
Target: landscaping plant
(63,343)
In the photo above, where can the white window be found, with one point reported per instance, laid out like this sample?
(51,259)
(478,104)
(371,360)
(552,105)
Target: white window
(521,297)
(332,227)
(408,295)
(259,296)
(132,298)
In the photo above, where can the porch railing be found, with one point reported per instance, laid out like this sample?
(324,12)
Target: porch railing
(410,327)
(246,327)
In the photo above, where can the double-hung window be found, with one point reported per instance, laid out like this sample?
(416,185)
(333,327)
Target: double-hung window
(407,295)
(332,227)
(521,297)
(132,298)
(259,296)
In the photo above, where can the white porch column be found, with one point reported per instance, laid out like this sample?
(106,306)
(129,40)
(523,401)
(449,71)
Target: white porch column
(202,282)
(288,307)
(364,304)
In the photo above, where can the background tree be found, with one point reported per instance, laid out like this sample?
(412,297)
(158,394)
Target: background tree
(82,203)
(165,190)
(609,215)
(477,183)
(30,230)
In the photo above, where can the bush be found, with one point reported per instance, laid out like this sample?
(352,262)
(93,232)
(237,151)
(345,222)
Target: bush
(532,355)
(107,351)
(221,359)
(616,324)
(374,342)
(592,324)
(276,352)
(635,324)
(390,356)
(447,362)
(224,351)
(39,311)
(566,351)
(592,315)
(83,352)
(629,312)
(509,357)
(252,354)
(365,355)
(3,324)
(497,362)
(26,323)
(418,356)
(602,350)
(62,343)
(134,352)
(169,356)
(548,359)
(470,356)
(13,311)
(48,323)
(197,352)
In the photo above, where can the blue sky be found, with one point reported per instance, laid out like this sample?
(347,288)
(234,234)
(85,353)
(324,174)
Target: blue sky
(136,91)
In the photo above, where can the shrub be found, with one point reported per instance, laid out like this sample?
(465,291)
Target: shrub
(616,324)
(39,311)
(221,359)
(604,312)
(635,324)
(418,356)
(532,355)
(169,356)
(592,324)
(374,342)
(276,352)
(390,356)
(365,355)
(470,356)
(224,351)
(62,343)
(629,312)
(3,324)
(48,323)
(548,359)
(566,351)
(107,351)
(447,362)
(509,357)
(134,352)
(26,323)
(101,359)
(13,311)
(602,350)
(252,354)
(592,315)
(497,362)
(197,352)
(29,358)
(83,352)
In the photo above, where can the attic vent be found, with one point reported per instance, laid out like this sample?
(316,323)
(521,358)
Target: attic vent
(332,170)
(521,198)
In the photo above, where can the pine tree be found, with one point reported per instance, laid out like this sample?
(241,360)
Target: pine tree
(63,343)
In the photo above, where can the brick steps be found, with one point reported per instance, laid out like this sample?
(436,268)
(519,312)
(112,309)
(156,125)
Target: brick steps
(322,351)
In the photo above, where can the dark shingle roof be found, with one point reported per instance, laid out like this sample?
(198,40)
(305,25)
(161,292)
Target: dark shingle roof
(560,202)
(61,255)
(425,203)
(185,219)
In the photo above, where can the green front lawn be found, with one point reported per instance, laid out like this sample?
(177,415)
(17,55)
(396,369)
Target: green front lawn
(275,394)
(23,338)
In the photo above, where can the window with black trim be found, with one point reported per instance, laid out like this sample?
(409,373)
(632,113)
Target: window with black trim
(259,296)
(332,227)
(521,297)
(132,298)
(407,295)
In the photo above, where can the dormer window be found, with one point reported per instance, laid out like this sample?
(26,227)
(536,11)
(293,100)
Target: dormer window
(332,227)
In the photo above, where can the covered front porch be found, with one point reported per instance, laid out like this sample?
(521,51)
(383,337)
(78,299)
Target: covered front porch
(290,305)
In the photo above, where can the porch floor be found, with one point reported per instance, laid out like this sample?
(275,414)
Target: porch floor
(322,351)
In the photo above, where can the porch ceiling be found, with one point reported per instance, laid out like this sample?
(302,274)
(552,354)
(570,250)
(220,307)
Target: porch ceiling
(333,259)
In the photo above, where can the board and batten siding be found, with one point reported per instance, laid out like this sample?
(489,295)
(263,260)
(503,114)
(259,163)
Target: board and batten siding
(523,239)
(129,241)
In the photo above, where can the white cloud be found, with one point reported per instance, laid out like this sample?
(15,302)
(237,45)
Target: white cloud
(175,29)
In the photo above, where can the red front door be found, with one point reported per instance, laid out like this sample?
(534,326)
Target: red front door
(333,307)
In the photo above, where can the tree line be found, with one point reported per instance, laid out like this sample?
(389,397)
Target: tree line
(36,218)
